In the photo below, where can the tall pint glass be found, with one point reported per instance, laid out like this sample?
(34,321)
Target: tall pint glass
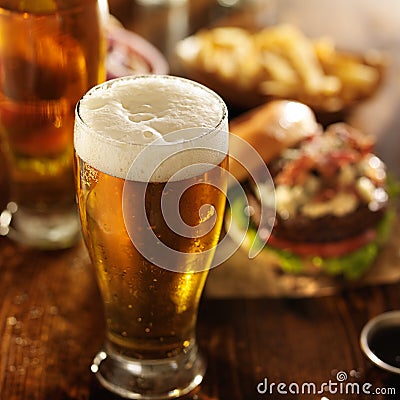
(151,167)
(51,53)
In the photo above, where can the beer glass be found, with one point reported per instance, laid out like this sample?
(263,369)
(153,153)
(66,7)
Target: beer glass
(51,53)
(151,160)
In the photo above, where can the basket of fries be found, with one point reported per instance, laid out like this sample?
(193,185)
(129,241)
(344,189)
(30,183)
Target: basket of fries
(249,68)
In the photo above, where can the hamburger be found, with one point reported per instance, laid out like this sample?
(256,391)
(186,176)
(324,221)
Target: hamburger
(331,191)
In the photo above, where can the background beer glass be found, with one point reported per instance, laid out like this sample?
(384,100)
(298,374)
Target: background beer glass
(51,53)
(151,149)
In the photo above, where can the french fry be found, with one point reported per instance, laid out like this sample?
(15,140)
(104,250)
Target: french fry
(226,51)
(278,67)
(283,62)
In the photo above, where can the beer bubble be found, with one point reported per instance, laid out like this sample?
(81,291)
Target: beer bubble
(148,134)
(139,117)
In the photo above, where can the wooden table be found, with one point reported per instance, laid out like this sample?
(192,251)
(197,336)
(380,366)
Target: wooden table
(51,326)
(51,323)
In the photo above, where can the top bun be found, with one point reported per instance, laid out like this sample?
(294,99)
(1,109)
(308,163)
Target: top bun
(270,129)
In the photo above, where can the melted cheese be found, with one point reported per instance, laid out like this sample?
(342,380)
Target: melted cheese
(340,205)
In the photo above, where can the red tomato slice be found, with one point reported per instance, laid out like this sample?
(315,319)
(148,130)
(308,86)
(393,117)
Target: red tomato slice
(327,250)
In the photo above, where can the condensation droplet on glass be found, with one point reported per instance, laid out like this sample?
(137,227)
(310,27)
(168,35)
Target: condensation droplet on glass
(20,298)
(264,234)
(12,207)
(35,313)
(248,211)
(35,361)
(33,350)
(53,310)
(5,220)
(20,341)
(94,368)
(12,321)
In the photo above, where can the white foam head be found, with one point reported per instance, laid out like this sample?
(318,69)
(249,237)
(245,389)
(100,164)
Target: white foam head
(117,120)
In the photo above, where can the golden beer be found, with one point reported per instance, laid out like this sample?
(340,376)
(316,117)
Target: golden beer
(51,53)
(150,311)
(150,151)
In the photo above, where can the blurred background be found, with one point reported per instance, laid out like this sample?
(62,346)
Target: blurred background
(357,25)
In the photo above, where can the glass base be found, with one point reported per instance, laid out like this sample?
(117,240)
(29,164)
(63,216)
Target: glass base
(40,230)
(149,379)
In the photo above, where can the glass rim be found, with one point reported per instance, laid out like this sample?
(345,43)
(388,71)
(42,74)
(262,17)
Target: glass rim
(117,142)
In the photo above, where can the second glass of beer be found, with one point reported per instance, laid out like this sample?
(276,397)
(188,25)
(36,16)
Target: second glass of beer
(151,166)
(51,53)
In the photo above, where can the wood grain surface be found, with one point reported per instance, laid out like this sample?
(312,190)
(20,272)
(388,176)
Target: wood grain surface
(51,325)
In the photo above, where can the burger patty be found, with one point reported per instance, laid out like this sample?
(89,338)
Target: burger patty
(325,229)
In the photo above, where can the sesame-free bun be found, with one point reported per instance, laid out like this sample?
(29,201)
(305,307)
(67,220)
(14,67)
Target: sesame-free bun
(269,129)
